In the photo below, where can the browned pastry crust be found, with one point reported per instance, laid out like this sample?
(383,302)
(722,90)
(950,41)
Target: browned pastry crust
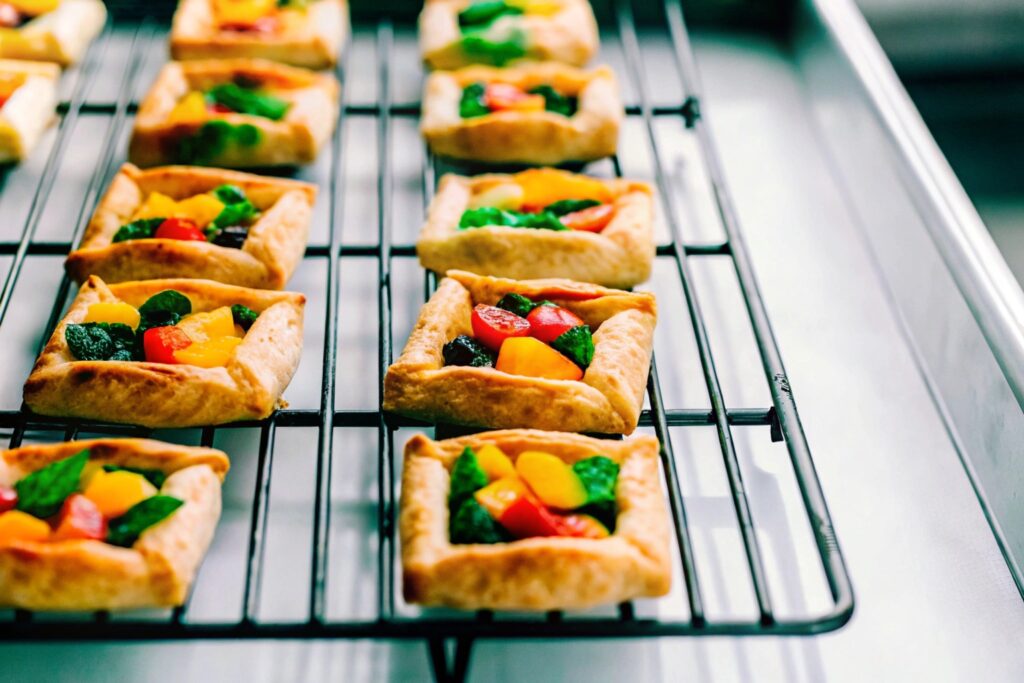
(607,400)
(618,256)
(269,256)
(160,395)
(536,137)
(29,111)
(92,575)
(534,573)
(295,139)
(60,36)
(314,42)
(568,36)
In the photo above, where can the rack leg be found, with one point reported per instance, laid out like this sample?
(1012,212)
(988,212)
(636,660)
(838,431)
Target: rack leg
(450,670)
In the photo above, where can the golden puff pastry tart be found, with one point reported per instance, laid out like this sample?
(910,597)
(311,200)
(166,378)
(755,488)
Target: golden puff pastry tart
(235,113)
(105,524)
(50,30)
(531,520)
(541,223)
(169,353)
(306,33)
(548,354)
(542,114)
(187,221)
(455,33)
(28,100)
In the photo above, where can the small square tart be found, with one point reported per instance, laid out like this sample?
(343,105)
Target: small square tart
(524,137)
(271,252)
(161,395)
(60,36)
(606,400)
(568,36)
(618,256)
(29,111)
(295,139)
(92,575)
(534,573)
(313,42)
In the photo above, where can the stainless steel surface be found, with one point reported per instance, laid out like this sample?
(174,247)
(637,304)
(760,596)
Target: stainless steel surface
(935,598)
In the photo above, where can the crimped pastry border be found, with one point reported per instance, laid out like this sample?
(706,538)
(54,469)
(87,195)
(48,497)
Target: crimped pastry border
(159,395)
(61,36)
(315,45)
(569,36)
(295,139)
(543,137)
(29,111)
(618,256)
(267,259)
(91,575)
(607,400)
(536,573)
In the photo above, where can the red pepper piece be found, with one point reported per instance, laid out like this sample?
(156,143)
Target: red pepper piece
(526,518)
(80,519)
(505,96)
(548,323)
(218,108)
(160,343)
(262,25)
(594,219)
(493,325)
(8,498)
(179,229)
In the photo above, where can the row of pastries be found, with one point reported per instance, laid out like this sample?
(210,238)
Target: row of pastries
(534,330)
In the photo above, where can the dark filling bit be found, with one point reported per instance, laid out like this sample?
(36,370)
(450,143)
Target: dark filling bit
(232,236)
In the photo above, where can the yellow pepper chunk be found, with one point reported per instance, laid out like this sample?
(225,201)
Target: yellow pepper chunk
(201,209)
(543,8)
(542,186)
(117,312)
(551,479)
(9,83)
(202,327)
(16,525)
(189,109)
(214,353)
(34,7)
(498,495)
(533,358)
(503,196)
(243,11)
(494,463)
(115,492)
(156,205)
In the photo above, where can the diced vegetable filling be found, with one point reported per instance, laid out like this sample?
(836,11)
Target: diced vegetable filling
(480,99)
(163,330)
(9,82)
(67,500)
(493,500)
(222,216)
(258,16)
(523,337)
(17,13)
(543,198)
(493,31)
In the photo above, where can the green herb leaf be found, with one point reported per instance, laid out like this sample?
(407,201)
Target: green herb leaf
(247,135)
(467,351)
(600,476)
(229,194)
(138,230)
(491,47)
(165,306)
(565,206)
(213,138)
(125,530)
(42,493)
(486,11)
(467,478)
(471,103)
(542,221)
(100,341)
(243,316)
(472,523)
(489,215)
(555,101)
(233,214)
(516,303)
(154,477)
(577,344)
(248,101)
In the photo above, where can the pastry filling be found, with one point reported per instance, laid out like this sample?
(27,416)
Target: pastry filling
(258,17)
(222,216)
(9,83)
(542,198)
(162,330)
(17,13)
(522,337)
(481,99)
(75,499)
(492,500)
(240,96)
(493,31)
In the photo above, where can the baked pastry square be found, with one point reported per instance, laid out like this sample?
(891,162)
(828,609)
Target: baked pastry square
(455,33)
(607,399)
(307,34)
(28,100)
(514,135)
(236,113)
(247,386)
(619,254)
(51,31)
(543,573)
(83,573)
(273,244)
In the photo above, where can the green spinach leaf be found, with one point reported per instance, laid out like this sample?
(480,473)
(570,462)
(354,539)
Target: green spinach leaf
(485,11)
(467,477)
(100,341)
(248,101)
(577,344)
(472,523)
(466,351)
(516,303)
(229,194)
(564,206)
(489,215)
(471,104)
(555,101)
(138,230)
(42,493)
(125,530)
(600,476)
(164,305)
(243,316)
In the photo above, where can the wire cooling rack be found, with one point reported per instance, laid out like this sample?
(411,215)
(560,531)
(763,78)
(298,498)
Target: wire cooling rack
(333,426)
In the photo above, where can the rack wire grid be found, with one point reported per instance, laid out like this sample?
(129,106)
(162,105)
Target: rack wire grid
(89,117)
